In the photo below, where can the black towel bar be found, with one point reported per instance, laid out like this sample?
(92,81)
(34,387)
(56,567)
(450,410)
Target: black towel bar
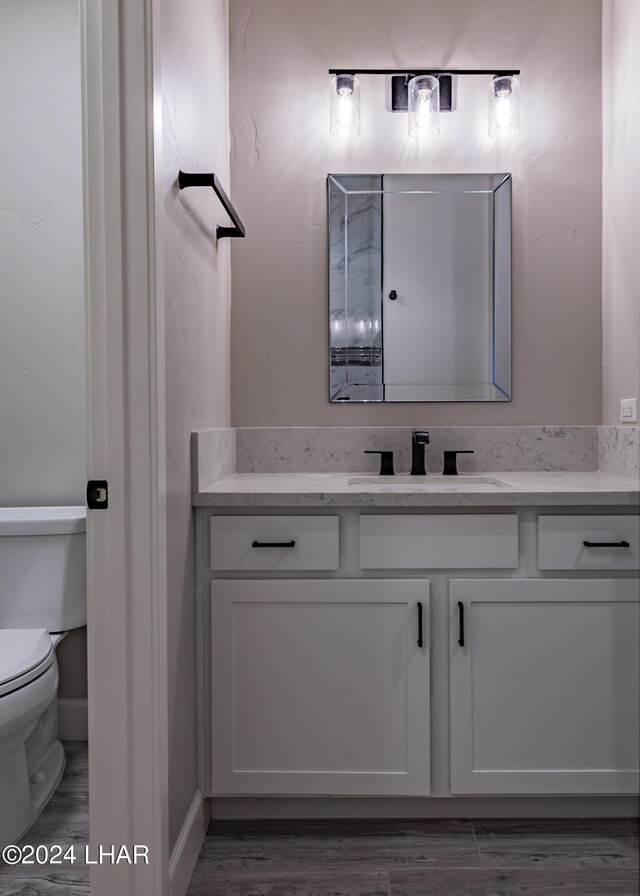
(195,179)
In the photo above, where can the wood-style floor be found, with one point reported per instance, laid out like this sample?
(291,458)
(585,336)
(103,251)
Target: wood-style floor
(595,857)
(65,821)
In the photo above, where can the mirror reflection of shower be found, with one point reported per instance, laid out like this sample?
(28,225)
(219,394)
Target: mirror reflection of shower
(420,287)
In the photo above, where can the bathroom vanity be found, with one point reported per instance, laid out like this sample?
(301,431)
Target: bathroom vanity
(367,638)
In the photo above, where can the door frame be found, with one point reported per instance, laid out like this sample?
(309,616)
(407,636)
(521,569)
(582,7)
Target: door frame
(126,544)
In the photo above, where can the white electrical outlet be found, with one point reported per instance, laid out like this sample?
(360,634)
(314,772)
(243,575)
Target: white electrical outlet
(629,410)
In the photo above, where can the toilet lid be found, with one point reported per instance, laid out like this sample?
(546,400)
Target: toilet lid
(24,653)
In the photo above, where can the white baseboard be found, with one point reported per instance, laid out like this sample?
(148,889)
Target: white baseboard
(252,808)
(73,721)
(187,849)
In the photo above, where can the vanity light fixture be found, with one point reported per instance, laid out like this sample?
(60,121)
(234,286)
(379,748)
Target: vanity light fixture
(424,93)
(504,106)
(424,106)
(345,106)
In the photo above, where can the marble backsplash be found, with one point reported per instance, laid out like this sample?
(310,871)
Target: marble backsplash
(340,449)
(619,448)
(213,456)
(217,453)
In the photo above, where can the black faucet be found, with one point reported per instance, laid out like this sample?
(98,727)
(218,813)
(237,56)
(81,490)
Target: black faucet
(419,439)
(451,461)
(386,462)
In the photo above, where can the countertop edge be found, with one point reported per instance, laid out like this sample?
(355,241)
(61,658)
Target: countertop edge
(340,499)
(335,490)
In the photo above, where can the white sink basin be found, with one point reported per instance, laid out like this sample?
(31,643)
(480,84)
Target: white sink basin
(431,480)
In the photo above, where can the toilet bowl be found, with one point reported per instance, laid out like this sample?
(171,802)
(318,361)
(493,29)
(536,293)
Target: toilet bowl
(42,591)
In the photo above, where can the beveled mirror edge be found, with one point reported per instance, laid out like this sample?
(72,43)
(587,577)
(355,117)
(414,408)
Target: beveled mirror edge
(500,389)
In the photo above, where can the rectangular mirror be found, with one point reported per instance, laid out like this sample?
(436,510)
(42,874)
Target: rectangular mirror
(420,287)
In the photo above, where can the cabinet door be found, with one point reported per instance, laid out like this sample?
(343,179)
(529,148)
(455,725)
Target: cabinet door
(544,692)
(320,687)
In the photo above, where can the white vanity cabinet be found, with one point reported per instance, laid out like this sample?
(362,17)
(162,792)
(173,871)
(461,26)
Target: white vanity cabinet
(320,687)
(544,695)
(312,681)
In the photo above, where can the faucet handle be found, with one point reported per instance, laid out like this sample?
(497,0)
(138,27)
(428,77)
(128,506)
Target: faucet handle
(451,461)
(386,462)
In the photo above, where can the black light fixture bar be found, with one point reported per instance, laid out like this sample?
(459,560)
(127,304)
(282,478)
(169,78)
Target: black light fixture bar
(501,73)
(195,179)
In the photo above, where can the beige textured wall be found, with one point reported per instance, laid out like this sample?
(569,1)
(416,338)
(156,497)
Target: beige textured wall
(281,153)
(621,200)
(194,76)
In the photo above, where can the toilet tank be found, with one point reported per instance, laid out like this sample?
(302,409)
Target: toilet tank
(43,577)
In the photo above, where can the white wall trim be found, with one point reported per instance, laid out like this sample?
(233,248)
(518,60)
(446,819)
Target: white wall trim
(187,849)
(73,721)
(126,544)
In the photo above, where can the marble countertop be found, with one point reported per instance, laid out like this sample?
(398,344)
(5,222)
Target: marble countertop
(470,490)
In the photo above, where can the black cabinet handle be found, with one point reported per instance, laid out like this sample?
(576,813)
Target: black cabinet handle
(393,295)
(606,544)
(273,544)
(419,624)
(460,623)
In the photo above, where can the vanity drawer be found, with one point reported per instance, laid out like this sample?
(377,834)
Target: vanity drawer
(274,542)
(561,542)
(438,541)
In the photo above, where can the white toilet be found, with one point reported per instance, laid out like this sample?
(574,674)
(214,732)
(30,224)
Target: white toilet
(42,596)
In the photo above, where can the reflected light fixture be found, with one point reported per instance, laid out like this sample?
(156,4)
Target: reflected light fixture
(424,93)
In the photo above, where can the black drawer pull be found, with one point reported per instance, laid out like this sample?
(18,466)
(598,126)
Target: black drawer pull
(273,544)
(606,544)
(460,623)
(419,624)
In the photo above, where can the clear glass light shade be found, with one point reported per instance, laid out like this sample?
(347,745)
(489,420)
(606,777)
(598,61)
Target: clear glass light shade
(424,106)
(345,106)
(504,106)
